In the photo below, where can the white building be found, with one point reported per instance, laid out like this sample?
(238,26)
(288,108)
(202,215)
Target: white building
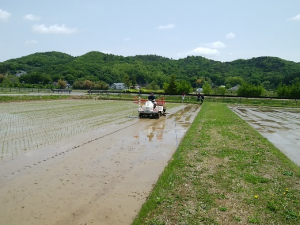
(20,73)
(235,88)
(199,90)
(118,86)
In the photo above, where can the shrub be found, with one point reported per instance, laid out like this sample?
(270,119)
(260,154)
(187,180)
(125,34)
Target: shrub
(222,90)
(283,91)
(291,91)
(87,84)
(61,84)
(250,90)
(207,88)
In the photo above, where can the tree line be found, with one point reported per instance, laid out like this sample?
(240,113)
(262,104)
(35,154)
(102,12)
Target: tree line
(289,91)
(99,70)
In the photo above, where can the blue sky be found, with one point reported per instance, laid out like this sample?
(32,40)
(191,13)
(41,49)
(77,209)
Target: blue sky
(222,30)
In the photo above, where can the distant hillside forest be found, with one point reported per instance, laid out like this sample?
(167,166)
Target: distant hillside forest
(146,70)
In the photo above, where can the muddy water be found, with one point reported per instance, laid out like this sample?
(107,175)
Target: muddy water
(281,126)
(102,177)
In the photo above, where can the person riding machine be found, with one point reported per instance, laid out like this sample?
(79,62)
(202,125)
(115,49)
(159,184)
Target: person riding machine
(151,108)
(151,98)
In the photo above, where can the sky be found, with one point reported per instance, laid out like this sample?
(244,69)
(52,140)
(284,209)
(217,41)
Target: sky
(221,30)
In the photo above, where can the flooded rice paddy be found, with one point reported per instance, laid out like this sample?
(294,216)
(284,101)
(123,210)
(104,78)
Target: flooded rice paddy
(28,126)
(82,161)
(281,126)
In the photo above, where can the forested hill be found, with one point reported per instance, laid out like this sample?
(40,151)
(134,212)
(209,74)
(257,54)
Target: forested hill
(95,66)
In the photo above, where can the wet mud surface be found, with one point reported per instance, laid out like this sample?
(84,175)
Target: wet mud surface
(281,126)
(100,177)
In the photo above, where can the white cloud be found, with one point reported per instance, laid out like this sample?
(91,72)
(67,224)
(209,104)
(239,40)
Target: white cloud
(209,50)
(31,42)
(31,17)
(164,27)
(205,51)
(54,29)
(217,44)
(127,39)
(295,17)
(4,15)
(230,35)
(201,51)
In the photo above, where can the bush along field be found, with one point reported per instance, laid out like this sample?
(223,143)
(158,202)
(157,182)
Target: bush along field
(224,172)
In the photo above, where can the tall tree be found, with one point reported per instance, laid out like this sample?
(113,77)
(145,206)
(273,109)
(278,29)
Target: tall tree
(62,84)
(153,86)
(1,78)
(126,80)
(199,82)
(133,81)
(172,87)
(207,88)
(183,86)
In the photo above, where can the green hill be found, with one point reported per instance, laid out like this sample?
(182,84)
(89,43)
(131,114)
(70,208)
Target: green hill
(95,66)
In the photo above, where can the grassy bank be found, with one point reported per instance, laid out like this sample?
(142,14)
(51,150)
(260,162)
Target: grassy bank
(227,173)
(171,99)
(193,99)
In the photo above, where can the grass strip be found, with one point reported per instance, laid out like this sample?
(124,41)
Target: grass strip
(169,98)
(193,100)
(227,173)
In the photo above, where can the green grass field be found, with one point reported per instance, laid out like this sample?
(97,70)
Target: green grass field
(224,172)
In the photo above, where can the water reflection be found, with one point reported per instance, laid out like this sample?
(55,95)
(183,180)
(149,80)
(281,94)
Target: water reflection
(156,132)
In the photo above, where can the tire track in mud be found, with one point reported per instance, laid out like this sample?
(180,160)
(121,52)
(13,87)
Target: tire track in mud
(70,149)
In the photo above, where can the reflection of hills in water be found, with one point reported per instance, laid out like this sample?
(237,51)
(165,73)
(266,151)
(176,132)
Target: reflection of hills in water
(156,132)
(178,121)
(183,117)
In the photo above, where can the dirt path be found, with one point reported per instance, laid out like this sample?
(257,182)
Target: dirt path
(102,177)
(281,126)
